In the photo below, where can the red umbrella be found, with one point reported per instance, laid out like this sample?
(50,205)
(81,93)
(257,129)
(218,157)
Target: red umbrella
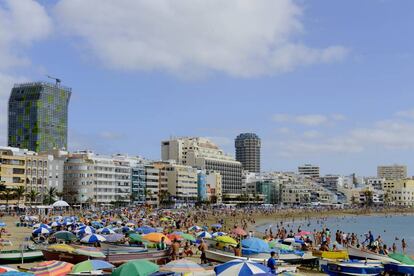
(239,231)
(175,237)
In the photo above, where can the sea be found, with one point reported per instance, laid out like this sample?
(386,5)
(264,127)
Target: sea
(392,228)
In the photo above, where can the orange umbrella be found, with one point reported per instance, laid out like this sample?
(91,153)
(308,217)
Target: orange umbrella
(156,237)
(239,231)
(175,237)
(52,268)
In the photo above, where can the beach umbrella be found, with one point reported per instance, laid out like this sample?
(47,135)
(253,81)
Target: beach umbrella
(182,266)
(51,268)
(239,232)
(2,224)
(41,230)
(188,237)
(4,269)
(240,268)
(134,237)
(126,229)
(136,268)
(89,251)
(156,237)
(175,237)
(145,230)
(93,238)
(55,224)
(226,239)
(275,244)
(217,225)
(86,230)
(130,224)
(114,237)
(65,235)
(90,265)
(60,203)
(256,244)
(97,224)
(61,248)
(216,234)
(195,228)
(402,258)
(204,234)
(105,231)
(41,225)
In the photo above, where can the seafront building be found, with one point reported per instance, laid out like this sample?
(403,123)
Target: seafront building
(248,151)
(309,170)
(38,116)
(399,192)
(98,180)
(203,154)
(30,170)
(392,172)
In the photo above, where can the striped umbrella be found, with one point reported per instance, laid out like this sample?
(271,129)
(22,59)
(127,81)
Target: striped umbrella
(182,266)
(195,228)
(240,268)
(55,224)
(216,234)
(86,230)
(52,268)
(93,238)
(105,231)
(41,225)
(205,235)
(217,225)
(145,230)
(41,230)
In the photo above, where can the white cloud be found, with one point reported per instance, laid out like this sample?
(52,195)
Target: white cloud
(21,23)
(308,119)
(311,134)
(409,114)
(238,37)
(110,135)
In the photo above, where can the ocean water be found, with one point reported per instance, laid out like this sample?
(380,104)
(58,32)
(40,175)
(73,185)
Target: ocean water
(392,228)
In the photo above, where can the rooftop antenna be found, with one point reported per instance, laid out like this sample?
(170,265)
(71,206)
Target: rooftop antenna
(58,81)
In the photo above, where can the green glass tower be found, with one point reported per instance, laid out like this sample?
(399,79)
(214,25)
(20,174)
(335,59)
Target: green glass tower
(38,116)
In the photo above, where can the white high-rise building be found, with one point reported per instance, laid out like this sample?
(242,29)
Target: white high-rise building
(204,154)
(392,172)
(309,170)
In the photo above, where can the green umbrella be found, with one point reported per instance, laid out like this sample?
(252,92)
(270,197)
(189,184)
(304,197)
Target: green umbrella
(135,237)
(65,235)
(402,258)
(188,237)
(90,265)
(136,268)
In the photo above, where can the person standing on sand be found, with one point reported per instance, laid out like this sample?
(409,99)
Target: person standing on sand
(203,248)
(394,248)
(271,262)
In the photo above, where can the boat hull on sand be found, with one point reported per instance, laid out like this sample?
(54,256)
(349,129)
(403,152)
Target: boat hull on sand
(363,254)
(402,269)
(16,256)
(354,268)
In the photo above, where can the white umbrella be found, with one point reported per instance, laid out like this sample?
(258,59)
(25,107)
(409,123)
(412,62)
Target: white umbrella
(60,203)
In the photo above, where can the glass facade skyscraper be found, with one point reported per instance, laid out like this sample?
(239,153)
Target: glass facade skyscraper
(38,116)
(248,151)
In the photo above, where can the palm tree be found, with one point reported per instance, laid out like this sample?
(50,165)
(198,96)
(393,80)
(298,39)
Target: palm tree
(59,195)
(7,194)
(32,195)
(19,192)
(51,195)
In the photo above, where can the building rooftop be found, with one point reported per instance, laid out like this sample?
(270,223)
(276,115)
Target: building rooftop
(41,83)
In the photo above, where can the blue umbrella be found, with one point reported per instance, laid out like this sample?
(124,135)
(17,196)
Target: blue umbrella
(106,231)
(55,224)
(2,224)
(204,234)
(240,268)
(41,230)
(217,225)
(16,273)
(93,238)
(97,224)
(86,230)
(256,244)
(126,229)
(145,230)
(217,234)
(41,225)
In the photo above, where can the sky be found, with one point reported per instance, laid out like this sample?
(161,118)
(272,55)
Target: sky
(322,82)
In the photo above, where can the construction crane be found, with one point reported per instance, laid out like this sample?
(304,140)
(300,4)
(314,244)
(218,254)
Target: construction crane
(58,81)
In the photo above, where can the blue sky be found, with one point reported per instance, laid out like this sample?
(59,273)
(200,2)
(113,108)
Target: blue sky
(324,82)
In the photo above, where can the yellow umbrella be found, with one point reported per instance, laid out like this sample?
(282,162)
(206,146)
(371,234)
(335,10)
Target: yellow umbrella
(156,237)
(62,248)
(226,239)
